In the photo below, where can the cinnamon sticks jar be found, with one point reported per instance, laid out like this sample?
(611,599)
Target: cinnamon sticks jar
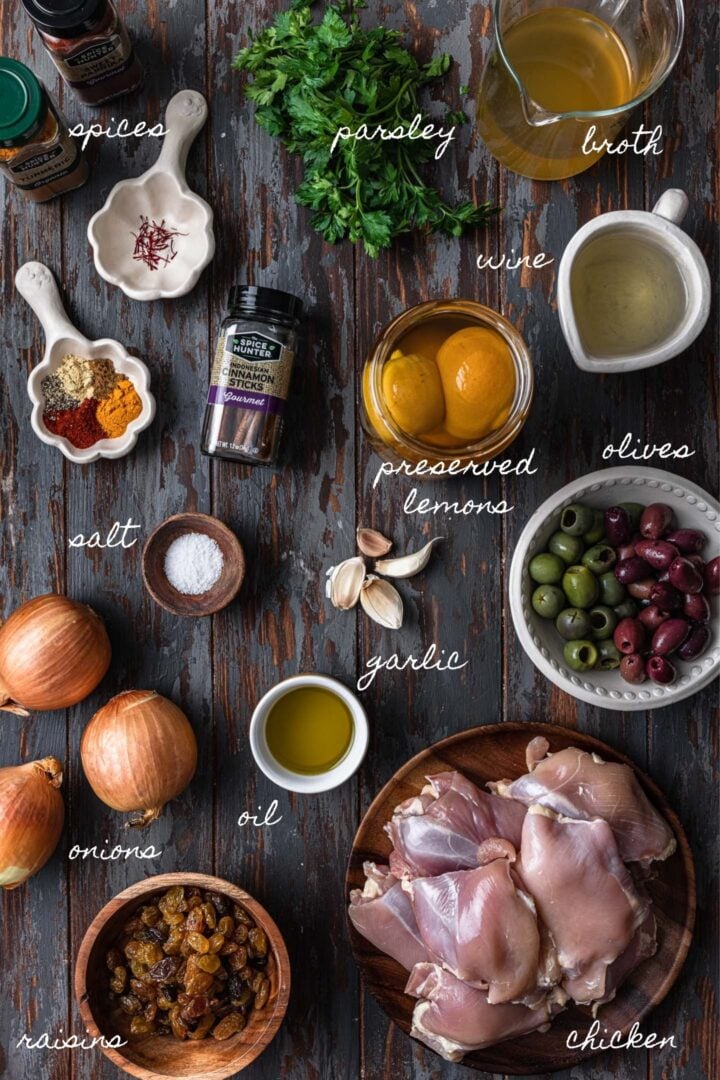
(89,45)
(251,374)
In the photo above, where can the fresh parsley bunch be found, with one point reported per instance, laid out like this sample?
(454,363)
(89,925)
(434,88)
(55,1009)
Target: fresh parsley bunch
(310,79)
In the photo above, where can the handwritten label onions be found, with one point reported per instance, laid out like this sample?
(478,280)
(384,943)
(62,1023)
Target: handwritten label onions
(138,752)
(53,653)
(32,814)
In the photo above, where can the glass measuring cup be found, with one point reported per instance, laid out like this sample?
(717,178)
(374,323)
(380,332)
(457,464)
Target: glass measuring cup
(556,70)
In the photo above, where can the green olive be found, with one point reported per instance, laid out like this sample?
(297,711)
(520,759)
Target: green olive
(596,532)
(546,569)
(603,621)
(573,624)
(576,519)
(612,592)
(548,601)
(580,655)
(627,610)
(634,512)
(608,656)
(599,558)
(580,586)
(569,548)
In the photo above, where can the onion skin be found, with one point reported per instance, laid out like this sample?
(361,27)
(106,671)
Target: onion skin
(138,752)
(32,813)
(53,653)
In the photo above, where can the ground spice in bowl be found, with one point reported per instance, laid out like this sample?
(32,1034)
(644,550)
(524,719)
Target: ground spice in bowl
(88,400)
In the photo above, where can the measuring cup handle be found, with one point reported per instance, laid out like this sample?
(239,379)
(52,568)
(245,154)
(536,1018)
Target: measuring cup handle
(185,117)
(36,284)
(673,205)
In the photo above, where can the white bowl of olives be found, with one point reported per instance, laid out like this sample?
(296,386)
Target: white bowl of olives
(604,624)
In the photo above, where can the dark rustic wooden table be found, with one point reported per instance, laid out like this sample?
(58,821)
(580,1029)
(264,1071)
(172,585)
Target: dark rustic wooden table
(299,519)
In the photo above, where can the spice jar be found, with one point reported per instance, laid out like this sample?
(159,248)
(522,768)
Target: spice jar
(448,380)
(89,46)
(37,152)
(251,374)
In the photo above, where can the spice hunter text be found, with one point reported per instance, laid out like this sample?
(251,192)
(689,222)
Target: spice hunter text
(360,621)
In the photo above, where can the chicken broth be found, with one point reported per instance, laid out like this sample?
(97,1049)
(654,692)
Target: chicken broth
(309,730)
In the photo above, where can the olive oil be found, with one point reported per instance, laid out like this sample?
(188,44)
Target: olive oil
(628,294)
(309,730)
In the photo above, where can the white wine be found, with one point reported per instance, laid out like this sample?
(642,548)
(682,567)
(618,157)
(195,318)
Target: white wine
(628,294)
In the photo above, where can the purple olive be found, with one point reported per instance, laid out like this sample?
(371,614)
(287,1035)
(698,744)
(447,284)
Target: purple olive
(626,551)
(655,521)
(617,525)
(629,636)
(632,668)
(641,590)
(712,576)
(696,607)
(652,616)
(685,576)
(695,644)
(666,596)
(629,571)
(687,541)
(660,670)
(658,553)
(670,636)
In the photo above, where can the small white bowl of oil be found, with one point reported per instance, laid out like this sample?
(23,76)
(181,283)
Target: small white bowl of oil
(309,734)
(633,288)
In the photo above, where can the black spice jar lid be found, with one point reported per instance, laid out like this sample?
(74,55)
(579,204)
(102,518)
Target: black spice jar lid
(256,299)
(65,18)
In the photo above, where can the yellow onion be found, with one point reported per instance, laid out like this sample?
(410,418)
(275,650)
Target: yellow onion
(31,818)
(53,653)
(138,752)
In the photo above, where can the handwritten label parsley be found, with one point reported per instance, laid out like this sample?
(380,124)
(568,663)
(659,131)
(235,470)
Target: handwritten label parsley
(309,79)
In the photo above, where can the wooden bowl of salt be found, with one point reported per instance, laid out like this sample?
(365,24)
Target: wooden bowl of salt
(193,564)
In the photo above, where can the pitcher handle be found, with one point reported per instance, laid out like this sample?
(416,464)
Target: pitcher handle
(672,205)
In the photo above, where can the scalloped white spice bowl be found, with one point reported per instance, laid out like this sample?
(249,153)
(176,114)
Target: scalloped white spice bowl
(36,284)
(694,509)
(161,192)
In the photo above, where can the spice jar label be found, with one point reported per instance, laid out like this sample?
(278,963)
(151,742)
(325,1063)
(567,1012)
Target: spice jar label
(35,167)
(96,60)
(251,371)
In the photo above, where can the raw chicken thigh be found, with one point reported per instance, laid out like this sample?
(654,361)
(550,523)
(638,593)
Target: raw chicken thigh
(581,785)
(584,895)
(441,829)
(454,1018)
(383,914)
(483,928)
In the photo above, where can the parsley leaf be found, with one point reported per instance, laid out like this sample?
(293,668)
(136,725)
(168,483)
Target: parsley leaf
(308,79)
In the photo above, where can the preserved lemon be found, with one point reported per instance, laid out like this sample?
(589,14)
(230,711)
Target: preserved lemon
(413,392)
(478,380)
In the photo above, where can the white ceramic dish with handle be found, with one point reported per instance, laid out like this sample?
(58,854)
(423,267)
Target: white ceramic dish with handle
(663,227)
(161,193)
(317,782)
(694,509)
(36,284)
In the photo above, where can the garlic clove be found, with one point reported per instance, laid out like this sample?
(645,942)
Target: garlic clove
(344,582)
(407,565)
(382,602)
(372,543)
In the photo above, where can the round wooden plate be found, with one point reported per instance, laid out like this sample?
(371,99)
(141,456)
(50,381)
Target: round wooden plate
(498,752)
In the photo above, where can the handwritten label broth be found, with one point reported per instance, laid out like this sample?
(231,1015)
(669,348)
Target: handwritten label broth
(628,294)
(309,730)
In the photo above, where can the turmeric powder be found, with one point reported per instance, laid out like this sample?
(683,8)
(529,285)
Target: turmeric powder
(119,408)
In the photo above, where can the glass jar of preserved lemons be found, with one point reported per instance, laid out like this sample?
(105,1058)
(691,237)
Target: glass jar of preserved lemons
(448,380)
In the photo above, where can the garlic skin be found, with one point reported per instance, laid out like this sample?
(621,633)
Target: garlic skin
(344,582)
(382,602)
(407,566)
(372,543)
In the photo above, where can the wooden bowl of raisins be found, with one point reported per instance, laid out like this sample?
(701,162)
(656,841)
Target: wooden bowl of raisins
(182,975)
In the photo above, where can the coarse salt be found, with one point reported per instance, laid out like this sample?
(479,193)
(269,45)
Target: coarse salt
(193,563)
